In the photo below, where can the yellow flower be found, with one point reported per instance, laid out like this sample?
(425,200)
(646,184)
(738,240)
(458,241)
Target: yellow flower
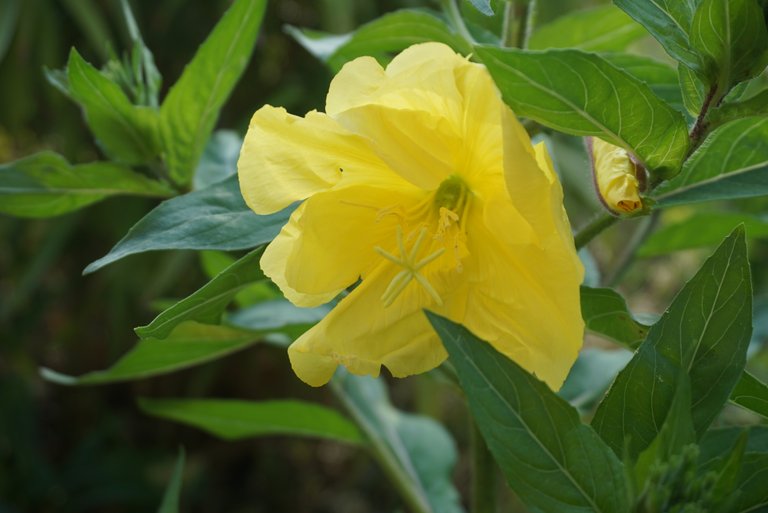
(420,190)
(615,177)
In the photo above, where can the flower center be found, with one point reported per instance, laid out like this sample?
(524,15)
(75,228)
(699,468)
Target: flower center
(453,194)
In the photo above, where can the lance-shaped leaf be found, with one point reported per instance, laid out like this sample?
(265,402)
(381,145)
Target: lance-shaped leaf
(212,218)
(752,394)
(704,333)
(172,495)
(669,21)
(189,112)
(583,94)
(46,185)
(605,313)
(551,460)
(421,450)
(207,304)
(190,344)
(732,163)
(235,420)
(600,29)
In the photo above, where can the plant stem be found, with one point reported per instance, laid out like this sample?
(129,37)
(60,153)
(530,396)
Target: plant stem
(508,24)
(630,250)
(483,474)
(527,21)
(454,14)
(700,127)
(593,228)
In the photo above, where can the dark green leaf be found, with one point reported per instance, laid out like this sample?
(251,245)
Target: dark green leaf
(717,443)
(190,344)
(591,375)
(234,420)
(599,29)
(420,447)
(704,333)
(669,21)
(752,394)
(172,494)
(9,13)
(551,460)
(701,230)
(189,112)
(583,94)
(125,132)
(755,106)
(212,218)
(732,39)
(207,304)
(46,185)
(219,160)
(752,496)
(276,314)
(605,313)
(731,163)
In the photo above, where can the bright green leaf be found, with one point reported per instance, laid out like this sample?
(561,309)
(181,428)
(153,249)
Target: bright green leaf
(46,185)
(419,447)
(189,112)
(551,460)
(190,344)
(752,394)
(234,420)
(605,313)
(207,304)
(172,494)
(692,90)
(583,94)
(212,218)
(600,29)
(704,333)
(125,132)
(660,78)
(731,163)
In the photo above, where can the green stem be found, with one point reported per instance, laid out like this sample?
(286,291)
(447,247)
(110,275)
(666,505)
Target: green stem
(630,250)
(483,474)
(508,24)
(594,228)
(454,14)
(527,21)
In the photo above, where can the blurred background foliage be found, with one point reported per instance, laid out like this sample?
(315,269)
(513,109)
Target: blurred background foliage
(90,449)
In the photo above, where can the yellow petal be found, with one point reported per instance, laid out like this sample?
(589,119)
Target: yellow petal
(615,175)
(286,158)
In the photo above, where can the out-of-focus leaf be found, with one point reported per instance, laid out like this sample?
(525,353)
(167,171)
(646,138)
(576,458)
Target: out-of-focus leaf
(379,38)
(219,160)
(717,442)
(46,185)
(700,230)
(605,313)
(9,13)
(125,132)
(419,446)
(704,333)
(92,24)
(551,460)
(148,78)
(276,314)
(752,394)
(600,29)
(669,21)
(752,494)
(172,494)
(583,94)
(731,163)
(732,40)
(591,375)
(190,344)
(661,78)
(234,420)
(212,218)
(484,6)
(207,304)
(189,112)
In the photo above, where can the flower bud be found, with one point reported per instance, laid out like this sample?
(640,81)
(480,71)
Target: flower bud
(617,177)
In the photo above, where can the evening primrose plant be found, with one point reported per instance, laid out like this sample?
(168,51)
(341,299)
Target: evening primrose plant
(415,226)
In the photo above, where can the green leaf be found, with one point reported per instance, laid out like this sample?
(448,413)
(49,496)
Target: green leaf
(605,313)
(234,420)
(125,132)
(700,230)
(9,14)
(669,21)
(692,89)
(660,78)
(46,185)
(752,494)
(599,29)
(594,370)
(704,333)
(731,163)
(717,443)
(379,38)
(172,494)
(212,218)
(207,304)
(219,160)
(148,78)
(752,394)
(732,39)
(419,452)
(484,6)
(551,460)
(277,314)
(190,344)
(583,94)
(757,105)
(189,112)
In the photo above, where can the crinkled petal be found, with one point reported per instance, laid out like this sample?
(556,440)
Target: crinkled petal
(287,158)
